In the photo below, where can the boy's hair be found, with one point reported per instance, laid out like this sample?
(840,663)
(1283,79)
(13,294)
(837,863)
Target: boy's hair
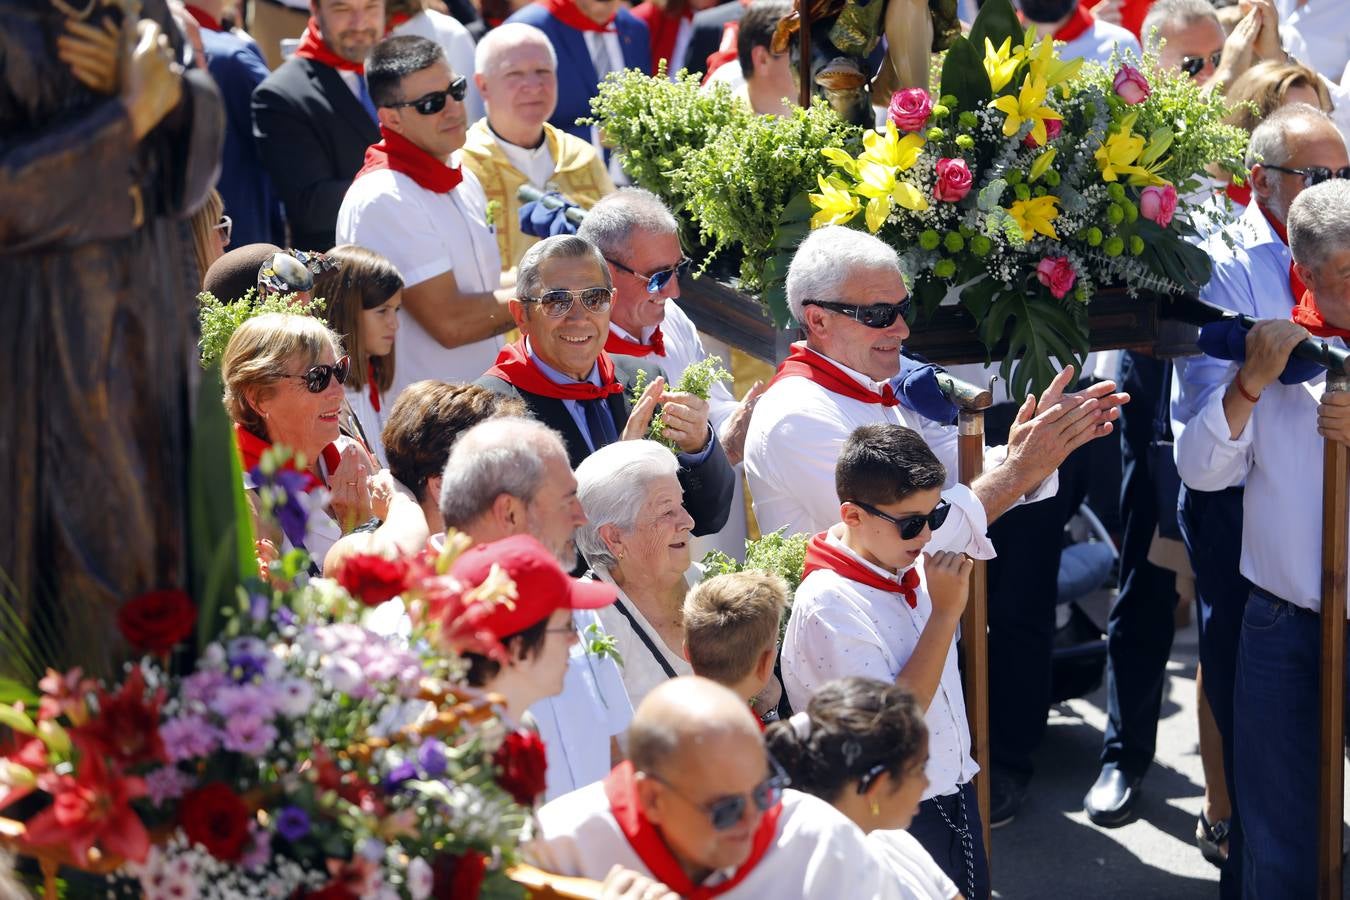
(883,464)
(729,620)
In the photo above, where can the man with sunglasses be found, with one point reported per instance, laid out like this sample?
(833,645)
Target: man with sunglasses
(414,203)
(1188,38)
(701,809)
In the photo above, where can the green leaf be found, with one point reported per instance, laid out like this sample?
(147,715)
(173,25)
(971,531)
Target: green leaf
(16,720)
(996,21)
(12,691)
(963,74)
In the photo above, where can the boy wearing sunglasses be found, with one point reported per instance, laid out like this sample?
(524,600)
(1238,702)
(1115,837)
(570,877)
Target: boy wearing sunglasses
(873,604)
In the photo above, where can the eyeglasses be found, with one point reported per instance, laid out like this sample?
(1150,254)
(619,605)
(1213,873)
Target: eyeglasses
(656,281)
(226,228)
(1194,65)
(569,628)
(557,304)
(292,271)
(910,527)
(316,378)
(877,315)
(725,812)
(1315,174)
(430,104)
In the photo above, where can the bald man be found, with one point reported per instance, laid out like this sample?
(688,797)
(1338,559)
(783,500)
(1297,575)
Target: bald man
(700,804)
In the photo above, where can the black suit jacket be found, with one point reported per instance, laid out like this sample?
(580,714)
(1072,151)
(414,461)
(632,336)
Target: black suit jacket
(706,36)
(707,486)
(312,134)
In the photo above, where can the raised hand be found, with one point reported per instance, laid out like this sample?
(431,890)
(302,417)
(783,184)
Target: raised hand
(640,419)
(948,578)
(349,488)
(686,418)
(1268,345)
(737,424)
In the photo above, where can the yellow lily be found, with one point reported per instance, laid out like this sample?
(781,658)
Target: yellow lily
(884,190)
(835,202)
(841,159)
(890,149)
(1041,164)
(1001,64)
(1036,216)
(1027,106)
(1046,64)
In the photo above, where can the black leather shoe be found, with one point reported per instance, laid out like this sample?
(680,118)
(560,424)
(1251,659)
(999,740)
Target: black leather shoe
(1111,801)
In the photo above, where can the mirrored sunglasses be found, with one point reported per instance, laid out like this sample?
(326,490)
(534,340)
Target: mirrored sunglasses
(910,527)
(316,378)
(434,102)
(877,315)
(656,281)
(557,304)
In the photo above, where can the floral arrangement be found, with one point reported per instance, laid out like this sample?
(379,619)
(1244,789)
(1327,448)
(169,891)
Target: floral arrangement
(317,748)
(1031,182)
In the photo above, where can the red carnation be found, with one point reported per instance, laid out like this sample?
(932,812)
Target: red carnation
(154,622)
(521,764)
(215,817)
(460,877)
(371,578)
(127,724)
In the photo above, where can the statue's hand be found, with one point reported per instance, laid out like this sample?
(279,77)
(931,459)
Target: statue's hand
(93,54)
(152,83)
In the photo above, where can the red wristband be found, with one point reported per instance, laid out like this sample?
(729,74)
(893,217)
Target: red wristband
(1237,383)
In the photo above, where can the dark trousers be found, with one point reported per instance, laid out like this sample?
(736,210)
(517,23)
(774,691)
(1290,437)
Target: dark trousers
(1140,627)
(1211,525)
(1276,723)
(932,828)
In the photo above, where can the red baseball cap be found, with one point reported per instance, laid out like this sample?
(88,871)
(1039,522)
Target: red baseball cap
(541,584)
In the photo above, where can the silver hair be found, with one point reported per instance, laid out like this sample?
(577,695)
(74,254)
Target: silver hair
(826,258)
(505,37)
(611,223)
(1168,14)
(1319,223)
(1269,143)
(612,485)
(529,275)
(505,455)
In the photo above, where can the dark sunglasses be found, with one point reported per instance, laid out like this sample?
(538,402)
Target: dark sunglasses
(1315,174)
(878,315)
(292,271)
(1194,65)
(725,812)
(316,378)
(430,104)
(911,527)
(557,304)
(656,280)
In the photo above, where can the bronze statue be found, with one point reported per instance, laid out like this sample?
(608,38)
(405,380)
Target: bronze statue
(107,145)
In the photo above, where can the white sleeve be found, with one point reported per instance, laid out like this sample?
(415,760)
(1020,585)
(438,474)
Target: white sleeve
(1207,458)
(827,640)
(790,468)
(398,228)
(845,858)
(966,526)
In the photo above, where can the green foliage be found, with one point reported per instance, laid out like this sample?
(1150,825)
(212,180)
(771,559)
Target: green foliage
(219,319)
(997,21)
(698,380)
(1038,330)
(964,77)
(781,554)
(600,644)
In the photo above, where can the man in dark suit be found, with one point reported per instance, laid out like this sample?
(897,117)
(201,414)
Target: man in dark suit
(567,381)
(592,38)
(313,118)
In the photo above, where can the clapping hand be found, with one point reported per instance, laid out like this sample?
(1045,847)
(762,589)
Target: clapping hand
(948,577)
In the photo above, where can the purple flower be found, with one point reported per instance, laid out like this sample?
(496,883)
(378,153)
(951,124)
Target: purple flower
(293,823)
(257,607)
(294,696)
(167,783)
(404,771)
(259,851)
(188,737)
(201,686)
(283,617)
(431,757)
(248,734)
(245,699)
(289,506)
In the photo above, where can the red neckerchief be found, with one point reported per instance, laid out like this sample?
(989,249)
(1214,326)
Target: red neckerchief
(1239,194)
(204,18)
(398,154)
(372,385)
(1078,24)
(515,366)
(810,365)
(646,841)
(821,554)
(1296,286)
(618,345)
(1307,314)
(726,50)
(252,447)
(396,20)
(664,29)
(314,47)
(566,12)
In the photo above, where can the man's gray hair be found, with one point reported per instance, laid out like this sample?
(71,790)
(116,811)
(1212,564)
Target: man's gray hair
(825,259)
(612,485)
(1319,223)
(611,223)
(1269,143)
(504,37)
(1166,15)
(529,274)
(505,455)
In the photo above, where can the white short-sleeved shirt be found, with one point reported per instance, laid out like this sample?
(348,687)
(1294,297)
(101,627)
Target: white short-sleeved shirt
(839,628)
(458,45)
(425,234)
(920,877)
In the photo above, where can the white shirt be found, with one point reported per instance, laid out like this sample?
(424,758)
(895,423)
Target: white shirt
(1099,42)
(816,852)
(839,627)
(536,163)
(641,670)
(425,234)
(1318,35)
(370,420)
(795,435)
(457,43)
(577,724)
(729,73)
(920,877)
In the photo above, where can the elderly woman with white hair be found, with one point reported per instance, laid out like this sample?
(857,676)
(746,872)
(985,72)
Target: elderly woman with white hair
(636,537)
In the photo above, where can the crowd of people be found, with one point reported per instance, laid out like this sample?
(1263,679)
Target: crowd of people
(472,370)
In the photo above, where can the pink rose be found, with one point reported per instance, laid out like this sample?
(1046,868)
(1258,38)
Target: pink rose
(1052,129)
(910,108)
(953,180)
(1157,204)
(1056,273)
(1131,86)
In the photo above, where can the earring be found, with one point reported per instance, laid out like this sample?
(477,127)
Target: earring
(876,807)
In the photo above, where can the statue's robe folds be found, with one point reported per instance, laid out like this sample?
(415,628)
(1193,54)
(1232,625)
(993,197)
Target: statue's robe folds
(97,336)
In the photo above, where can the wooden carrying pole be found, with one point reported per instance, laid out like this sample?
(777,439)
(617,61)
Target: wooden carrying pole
(971,402)
(1331,750)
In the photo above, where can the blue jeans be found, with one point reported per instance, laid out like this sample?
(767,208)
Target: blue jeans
(1276,725)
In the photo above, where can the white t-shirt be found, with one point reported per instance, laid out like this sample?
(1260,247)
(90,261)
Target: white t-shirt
(1099,42)
(425,234)
(920,877)
(370,420)
(457,43)
(815,854)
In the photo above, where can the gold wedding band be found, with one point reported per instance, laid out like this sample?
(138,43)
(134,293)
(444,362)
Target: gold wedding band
(351,484)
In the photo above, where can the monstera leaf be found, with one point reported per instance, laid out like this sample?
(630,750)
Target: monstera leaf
(1037,329)
(963,75)
(997,21)
(793,226)
(1184,265)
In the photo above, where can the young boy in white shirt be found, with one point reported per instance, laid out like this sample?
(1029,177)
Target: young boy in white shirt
(731,625)
(873,604)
